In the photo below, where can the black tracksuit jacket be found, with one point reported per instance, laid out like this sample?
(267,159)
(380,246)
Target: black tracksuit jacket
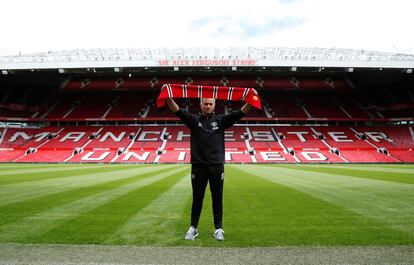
(207,135)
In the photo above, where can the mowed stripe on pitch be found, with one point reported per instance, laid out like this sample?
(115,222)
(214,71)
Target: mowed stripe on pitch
(13,193)
(385,165)
(390,203)
(12,212)
(20,171)
(17,166)
(37,175)
(33,227)
(158,223)
(275,214)
(379,172)
(381,167)
(97,225)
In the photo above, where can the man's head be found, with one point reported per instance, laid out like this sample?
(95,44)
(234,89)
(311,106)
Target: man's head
(207,105)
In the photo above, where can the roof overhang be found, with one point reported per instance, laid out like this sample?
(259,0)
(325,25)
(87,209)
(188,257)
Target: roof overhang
(207,57)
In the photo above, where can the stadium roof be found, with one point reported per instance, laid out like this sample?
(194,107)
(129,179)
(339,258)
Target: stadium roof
(201,57)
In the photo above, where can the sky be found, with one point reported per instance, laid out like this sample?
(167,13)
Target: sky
(50,25)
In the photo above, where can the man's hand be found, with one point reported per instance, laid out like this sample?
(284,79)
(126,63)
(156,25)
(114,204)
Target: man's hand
(170,102)
(247,107)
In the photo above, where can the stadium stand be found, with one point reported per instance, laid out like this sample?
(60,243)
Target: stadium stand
(305,119)
(244,144)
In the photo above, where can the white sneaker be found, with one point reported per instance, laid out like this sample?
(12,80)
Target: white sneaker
(191,233)
(218,234)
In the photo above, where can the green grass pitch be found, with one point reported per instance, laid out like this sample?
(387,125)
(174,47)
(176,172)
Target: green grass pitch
(264,205)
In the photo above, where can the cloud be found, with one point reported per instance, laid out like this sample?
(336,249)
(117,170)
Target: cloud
(274,24)
(288,1)
(241,28)
(47,25)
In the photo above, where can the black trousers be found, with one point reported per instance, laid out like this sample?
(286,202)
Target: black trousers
(200,175)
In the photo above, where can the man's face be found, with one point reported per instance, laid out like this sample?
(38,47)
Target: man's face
(207,106)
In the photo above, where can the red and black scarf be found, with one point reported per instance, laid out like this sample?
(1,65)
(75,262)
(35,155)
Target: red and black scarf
(218,92)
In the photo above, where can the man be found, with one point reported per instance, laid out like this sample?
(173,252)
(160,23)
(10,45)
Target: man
(207,157)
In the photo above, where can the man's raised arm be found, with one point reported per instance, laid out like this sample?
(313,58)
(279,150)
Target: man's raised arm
(172,105)
(247,107)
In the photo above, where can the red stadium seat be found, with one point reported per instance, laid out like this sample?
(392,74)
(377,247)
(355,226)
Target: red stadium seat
(244,144)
